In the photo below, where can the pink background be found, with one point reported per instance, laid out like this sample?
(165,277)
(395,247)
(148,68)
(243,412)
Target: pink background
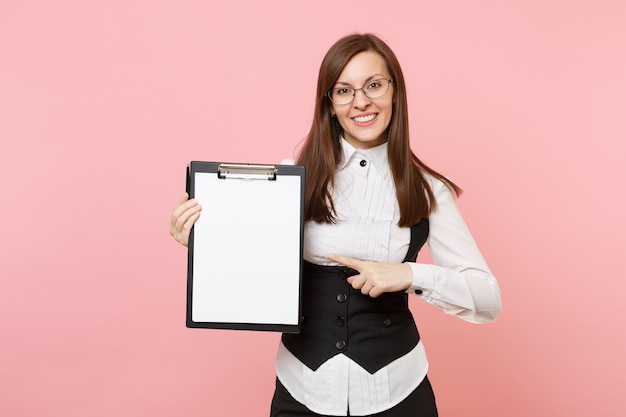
(102,104)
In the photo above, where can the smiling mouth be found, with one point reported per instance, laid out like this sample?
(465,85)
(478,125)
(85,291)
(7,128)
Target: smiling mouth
(365,119)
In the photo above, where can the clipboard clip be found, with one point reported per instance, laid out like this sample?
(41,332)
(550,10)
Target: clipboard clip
(247,172)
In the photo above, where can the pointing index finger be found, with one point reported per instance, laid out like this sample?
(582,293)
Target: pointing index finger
(344,260)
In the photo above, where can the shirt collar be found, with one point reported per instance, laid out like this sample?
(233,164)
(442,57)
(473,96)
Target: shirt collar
(377,154)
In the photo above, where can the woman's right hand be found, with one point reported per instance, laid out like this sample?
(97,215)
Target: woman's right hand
(183,217)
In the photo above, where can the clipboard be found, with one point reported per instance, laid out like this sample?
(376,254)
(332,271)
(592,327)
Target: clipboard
(245,251)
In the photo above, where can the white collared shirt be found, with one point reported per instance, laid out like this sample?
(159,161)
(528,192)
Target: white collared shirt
(459,282)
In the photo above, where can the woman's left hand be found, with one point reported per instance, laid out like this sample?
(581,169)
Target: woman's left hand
(376,278)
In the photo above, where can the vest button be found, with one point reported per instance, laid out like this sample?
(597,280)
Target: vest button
(343,274)
(387,322)
(340,345)
(341,297)
(340,321)
(363,162)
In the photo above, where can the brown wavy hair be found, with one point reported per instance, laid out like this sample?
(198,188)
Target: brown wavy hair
(321,151)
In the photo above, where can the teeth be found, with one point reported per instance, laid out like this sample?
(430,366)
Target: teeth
(363,119)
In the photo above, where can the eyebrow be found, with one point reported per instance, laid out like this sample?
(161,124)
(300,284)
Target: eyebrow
(371,77)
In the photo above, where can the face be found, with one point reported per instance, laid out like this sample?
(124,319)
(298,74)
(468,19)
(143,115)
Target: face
(364,120)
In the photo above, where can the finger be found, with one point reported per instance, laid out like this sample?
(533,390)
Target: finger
(181,216)
(184,198)
(357,281)
(186,230)
(181,232)
(349,262)
(180,202)
(375,292)
(184,204)
(191,214)
(366,288)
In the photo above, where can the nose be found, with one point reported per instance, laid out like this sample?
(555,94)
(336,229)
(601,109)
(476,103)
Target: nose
(360,99)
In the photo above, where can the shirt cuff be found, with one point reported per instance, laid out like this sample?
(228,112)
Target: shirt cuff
(423,280)
(442,287)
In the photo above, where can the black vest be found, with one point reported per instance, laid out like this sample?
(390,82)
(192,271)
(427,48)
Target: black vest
(373,332)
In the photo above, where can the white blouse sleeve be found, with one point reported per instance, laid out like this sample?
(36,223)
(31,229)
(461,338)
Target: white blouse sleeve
(460,281)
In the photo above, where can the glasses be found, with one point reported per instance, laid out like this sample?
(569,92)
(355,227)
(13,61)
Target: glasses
(373,89)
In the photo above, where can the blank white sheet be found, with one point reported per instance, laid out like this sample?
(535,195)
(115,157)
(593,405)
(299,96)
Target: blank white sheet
(246,250)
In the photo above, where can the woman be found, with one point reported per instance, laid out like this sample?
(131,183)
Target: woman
(370,205)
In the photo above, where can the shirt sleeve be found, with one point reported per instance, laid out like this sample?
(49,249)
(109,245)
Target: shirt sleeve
(460,281)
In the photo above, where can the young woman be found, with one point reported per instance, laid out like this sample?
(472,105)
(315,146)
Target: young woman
(370,206)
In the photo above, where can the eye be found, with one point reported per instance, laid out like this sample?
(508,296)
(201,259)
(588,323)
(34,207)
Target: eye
(342,91)
(374,85)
